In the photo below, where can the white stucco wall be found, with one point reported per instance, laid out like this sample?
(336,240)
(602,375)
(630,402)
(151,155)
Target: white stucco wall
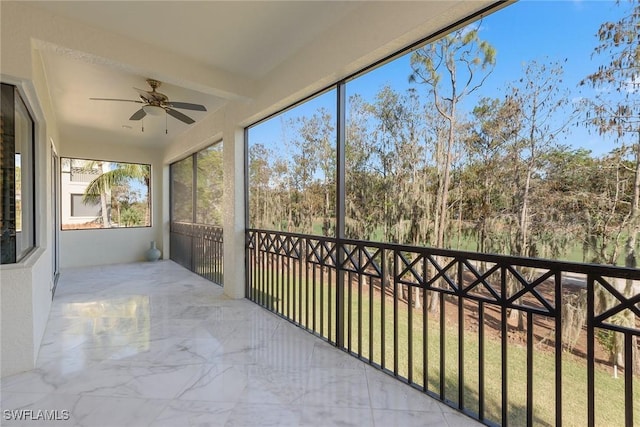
(116,245)
(25,287)
(25,300)
(16,296)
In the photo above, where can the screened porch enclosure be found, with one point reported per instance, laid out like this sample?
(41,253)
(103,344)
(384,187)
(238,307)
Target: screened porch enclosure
(196,235)
(464,215)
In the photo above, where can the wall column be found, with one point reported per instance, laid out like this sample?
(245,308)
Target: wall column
(233,216)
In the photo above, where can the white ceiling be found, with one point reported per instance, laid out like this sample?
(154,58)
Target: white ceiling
(72,82)
(248,38)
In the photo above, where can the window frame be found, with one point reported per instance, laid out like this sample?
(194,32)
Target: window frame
(194,184)
(11,95)
(70,193)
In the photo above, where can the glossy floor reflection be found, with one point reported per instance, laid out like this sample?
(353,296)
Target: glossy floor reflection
(152,344)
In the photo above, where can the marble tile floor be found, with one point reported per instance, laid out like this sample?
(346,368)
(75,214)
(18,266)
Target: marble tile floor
(152,344)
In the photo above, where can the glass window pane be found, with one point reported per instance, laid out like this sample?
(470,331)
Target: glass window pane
(209,178)
(24,191)
(81,208)
(292,169)
(182,190)
(493,135)
(104,194)
(386,156)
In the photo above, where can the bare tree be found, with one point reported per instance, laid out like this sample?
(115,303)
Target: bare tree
(453,68)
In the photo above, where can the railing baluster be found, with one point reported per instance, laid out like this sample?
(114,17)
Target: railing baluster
(263,282)
(277,282)
(590,352)
(395,312)
(371,301)
(503,344)
(410,334)
(558,347)
(339,302)
(268,291)
(322,284)
(302,266)
(330,287)
(460,339)
(349,318)
(383,318)
(443,344)
(271,287)
(294,285)
(628,379)
(529,368)
(284,298)
(307,286)
(359,301)
(481,360)
(313,295)
(425,329)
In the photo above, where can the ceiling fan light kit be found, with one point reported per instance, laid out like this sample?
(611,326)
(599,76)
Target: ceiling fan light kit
(154,110)
(157,104)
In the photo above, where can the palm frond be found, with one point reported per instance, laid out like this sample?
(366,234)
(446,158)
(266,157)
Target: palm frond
(118,176)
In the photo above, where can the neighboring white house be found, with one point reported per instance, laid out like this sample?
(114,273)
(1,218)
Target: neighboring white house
(76,176)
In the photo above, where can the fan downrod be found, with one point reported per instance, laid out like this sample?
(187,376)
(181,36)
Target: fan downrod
(154,84)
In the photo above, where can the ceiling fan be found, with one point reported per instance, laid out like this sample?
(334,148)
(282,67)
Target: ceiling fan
(156,104)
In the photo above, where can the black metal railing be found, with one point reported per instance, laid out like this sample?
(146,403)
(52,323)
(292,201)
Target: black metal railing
(507,340)
(198,247)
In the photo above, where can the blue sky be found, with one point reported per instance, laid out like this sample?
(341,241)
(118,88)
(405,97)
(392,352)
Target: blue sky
(528,30)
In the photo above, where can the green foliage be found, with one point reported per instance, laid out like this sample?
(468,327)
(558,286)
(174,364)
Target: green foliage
(606,338)
(209,185)
(113,190)
(182,190)
(130,217)
(121,175)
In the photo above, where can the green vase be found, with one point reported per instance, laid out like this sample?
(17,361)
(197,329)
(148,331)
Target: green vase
(153,253)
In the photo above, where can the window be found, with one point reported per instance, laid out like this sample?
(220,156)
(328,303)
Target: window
(197,197)
(17,198)
(104,194)
(209,185)
(182,190)
(82,208)
(292,169)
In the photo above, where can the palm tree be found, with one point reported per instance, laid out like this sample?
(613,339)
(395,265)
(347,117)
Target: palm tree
(99,190)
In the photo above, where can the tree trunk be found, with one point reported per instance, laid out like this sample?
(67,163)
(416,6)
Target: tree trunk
(630,258)
(104,209)
(441,207)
